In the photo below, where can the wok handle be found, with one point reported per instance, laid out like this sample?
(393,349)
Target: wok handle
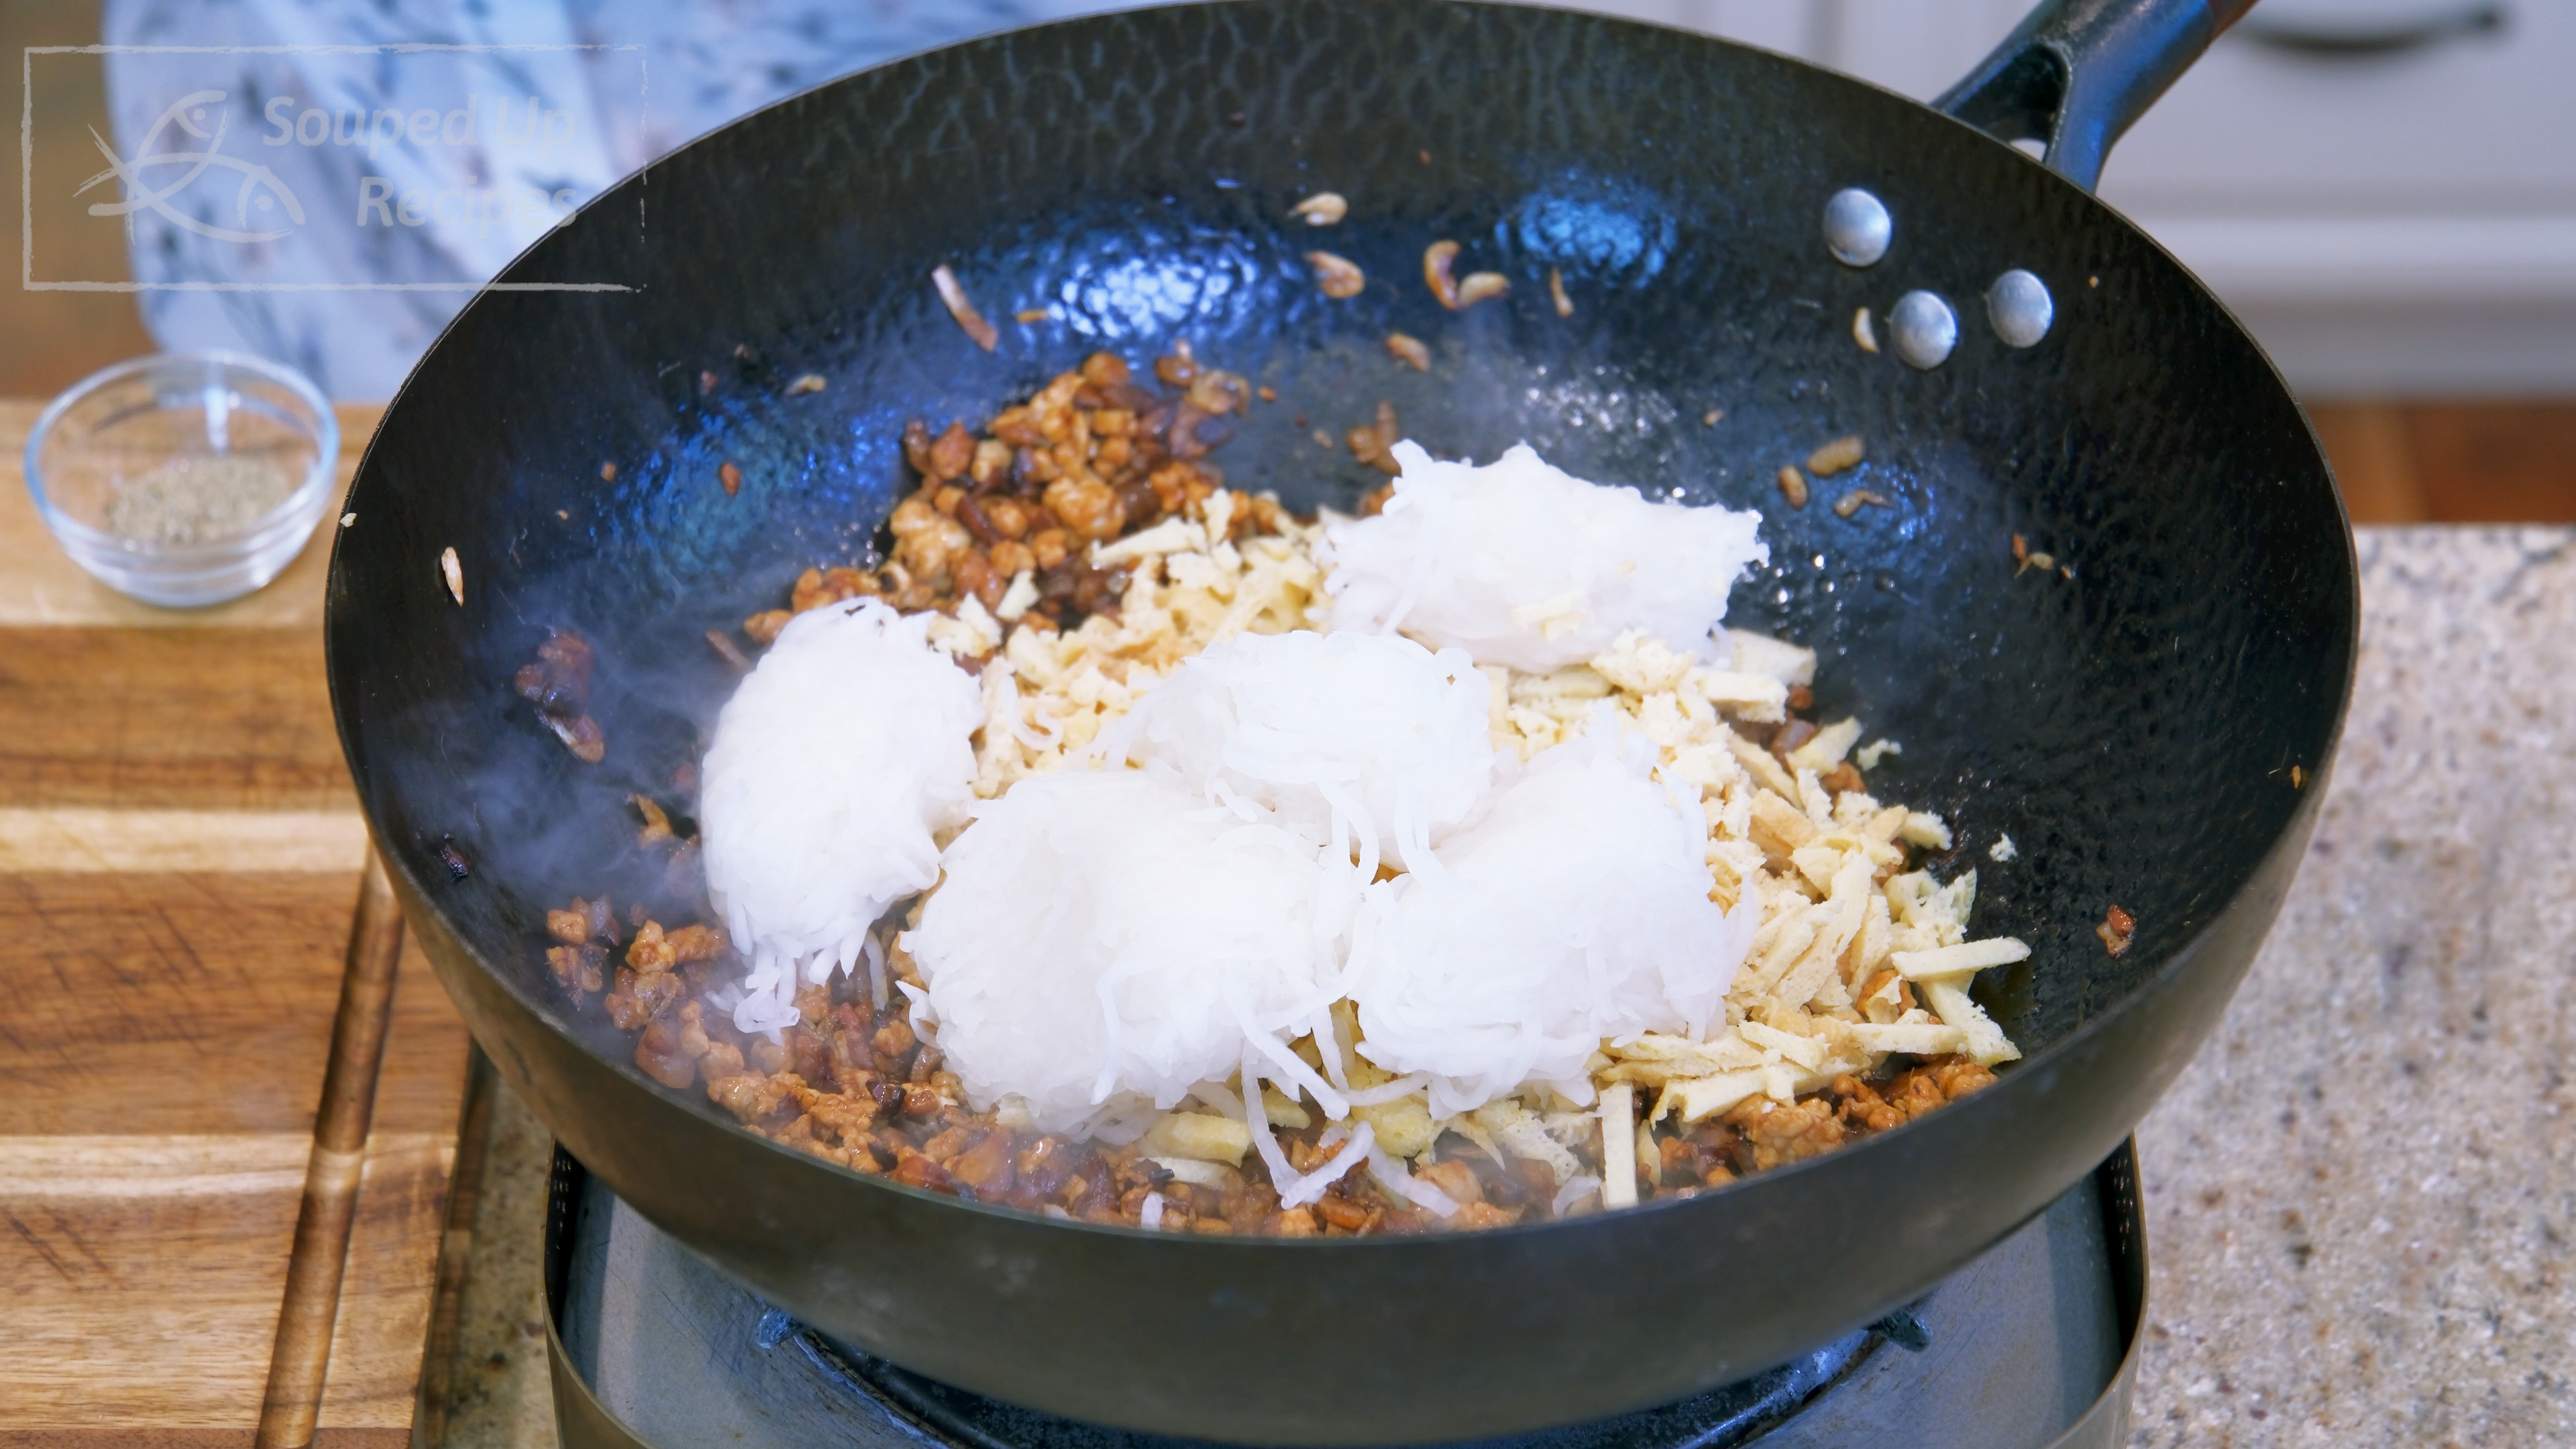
(2077,73)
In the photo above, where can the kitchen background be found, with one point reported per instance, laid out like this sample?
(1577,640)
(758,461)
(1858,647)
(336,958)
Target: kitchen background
(2385,190)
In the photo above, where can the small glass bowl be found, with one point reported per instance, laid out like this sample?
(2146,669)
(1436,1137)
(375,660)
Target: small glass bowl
(185,479)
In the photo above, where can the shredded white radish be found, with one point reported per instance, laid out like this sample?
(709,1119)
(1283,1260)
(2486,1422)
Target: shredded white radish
(1573,908)
(1265,1141)
(1220,1097)
(1520,563)
(1576,1189)
(835,760)
(1363,741)
(1336,1061)
(1390,1091)
(1393,1176)
(1294,1072)
(1102,940)
(1303,1190)
(874,950)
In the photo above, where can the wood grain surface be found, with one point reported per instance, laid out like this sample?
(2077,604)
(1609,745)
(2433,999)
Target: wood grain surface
(117,841)
(2428,461)
(179,860)
(291,1405)
(167,1003)
(167,719)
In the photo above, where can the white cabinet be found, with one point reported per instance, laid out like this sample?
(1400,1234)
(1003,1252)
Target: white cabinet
(2478,121)
(2401,223)
(2389,223)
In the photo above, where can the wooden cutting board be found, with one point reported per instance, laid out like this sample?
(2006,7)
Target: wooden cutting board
(180,855)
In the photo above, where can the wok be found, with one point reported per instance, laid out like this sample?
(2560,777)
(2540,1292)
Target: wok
(2151,724)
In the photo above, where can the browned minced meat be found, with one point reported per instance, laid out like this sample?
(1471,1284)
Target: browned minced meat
(1762,1134)
(557,681)
(855,1086)
(1094,456)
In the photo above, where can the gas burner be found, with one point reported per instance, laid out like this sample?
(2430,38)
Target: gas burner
(2029,1345)
(1718,1419)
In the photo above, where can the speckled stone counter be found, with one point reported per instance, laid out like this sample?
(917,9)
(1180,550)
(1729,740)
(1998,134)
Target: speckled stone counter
(2360,1197)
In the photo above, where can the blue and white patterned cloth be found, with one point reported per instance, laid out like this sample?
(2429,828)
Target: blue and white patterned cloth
(388,145)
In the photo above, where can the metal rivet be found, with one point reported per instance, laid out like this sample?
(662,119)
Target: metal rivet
(1857,227)
(2019,306)
(1926,329)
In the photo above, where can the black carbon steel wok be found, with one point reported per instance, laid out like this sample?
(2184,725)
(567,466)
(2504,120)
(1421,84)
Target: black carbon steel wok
(2142,730)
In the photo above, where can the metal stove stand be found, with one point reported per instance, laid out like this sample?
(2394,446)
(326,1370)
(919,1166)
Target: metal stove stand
(2034,1344)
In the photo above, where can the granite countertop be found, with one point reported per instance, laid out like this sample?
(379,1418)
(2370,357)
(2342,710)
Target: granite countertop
(2360,1195)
